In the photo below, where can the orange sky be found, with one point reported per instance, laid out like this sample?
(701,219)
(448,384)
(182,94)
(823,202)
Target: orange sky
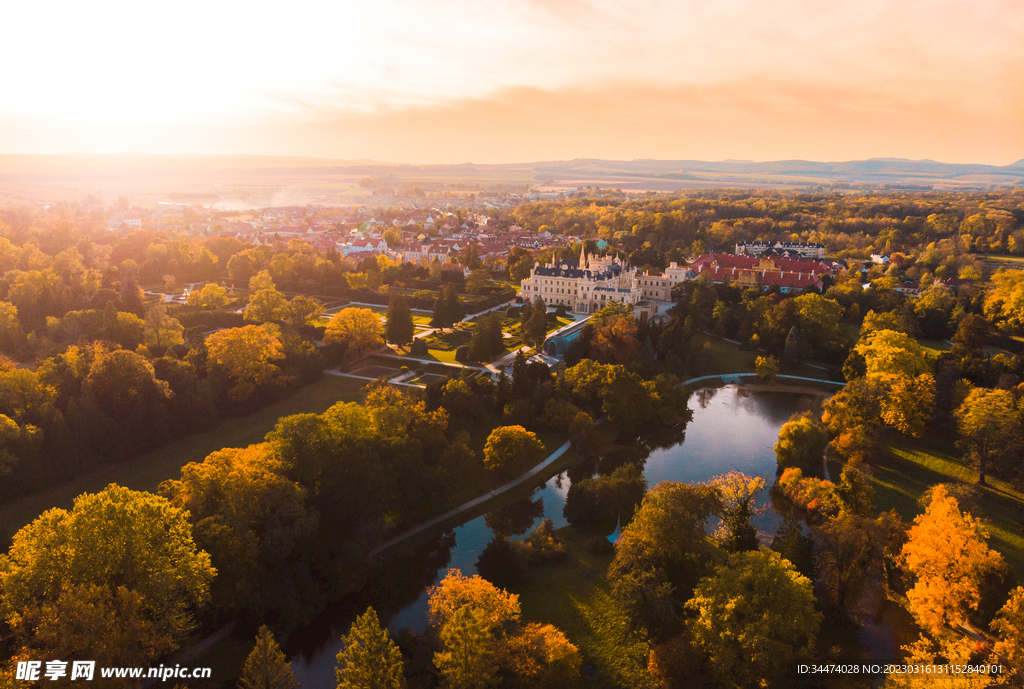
(519,80)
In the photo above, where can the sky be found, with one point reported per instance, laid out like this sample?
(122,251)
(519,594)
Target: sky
(501,81)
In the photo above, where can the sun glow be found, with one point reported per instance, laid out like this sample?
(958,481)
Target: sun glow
(116,75)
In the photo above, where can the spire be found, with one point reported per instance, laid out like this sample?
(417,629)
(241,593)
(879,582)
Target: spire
(583,257)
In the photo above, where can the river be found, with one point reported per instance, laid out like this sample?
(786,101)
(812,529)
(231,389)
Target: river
(733,428)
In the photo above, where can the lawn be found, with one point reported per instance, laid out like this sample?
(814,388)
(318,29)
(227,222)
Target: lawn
(934,347)
(727,357)
(574,596)
(911,466)
(148,471)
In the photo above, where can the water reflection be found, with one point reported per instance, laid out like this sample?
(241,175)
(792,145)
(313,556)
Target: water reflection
(732,429)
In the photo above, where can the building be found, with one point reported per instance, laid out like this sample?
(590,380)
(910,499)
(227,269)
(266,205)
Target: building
(787,274)
(809,250)
(589,284)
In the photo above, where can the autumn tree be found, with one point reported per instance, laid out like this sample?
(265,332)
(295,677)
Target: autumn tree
(303,311)
(498,610)
(801,443)
(245,355)
(540,656)
(908,403)
(266,666)
(119,557)
(266,303)
(400,327)
(465,662)
(989,427)
(254,523)
(211,296)
(1009,625)
(368,658)
(887,352)
(948,553)
(755,619)
(358,329)
(738,494)
(161,329)
(614,338)
(512,445)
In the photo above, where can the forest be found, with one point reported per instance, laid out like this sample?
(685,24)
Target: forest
(97,369)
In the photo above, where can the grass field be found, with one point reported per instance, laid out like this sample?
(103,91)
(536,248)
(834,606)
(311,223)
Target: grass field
(149,470)
(574,596)
(729,358)
(911,466)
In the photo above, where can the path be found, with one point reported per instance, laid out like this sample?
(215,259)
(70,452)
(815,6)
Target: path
(476,502)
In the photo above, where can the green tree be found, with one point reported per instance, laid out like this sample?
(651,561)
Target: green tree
(266,666)
(304,311)
(400,326)
(466,661)
(161,329)
(989,427)
(755,619)
(369,659)
(536,328)
(767,368)
(821,319)
(662,553)
(126,550)
(512,445)
(456,310)
(801,443)
(265,303)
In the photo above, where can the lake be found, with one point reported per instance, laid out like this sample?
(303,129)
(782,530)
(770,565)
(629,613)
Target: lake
(733,428)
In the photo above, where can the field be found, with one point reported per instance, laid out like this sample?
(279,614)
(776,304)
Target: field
(148,471)
(911,466)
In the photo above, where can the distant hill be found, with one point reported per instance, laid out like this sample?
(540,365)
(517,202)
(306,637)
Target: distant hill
(246,181)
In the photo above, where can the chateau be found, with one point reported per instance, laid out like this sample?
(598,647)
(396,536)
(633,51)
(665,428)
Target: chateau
(782,249)
(590,283)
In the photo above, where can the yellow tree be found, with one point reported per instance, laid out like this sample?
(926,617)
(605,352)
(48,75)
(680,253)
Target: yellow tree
(1009,624)
(211,296)
(512,445)
(888,352)
(359,330)
(908,403)
(369,659)
(245,355)
(989,428)
(948,553)
(498,609)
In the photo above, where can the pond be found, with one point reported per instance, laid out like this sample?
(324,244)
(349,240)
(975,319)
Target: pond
(733,428)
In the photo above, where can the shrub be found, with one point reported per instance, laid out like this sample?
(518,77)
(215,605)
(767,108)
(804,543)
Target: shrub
(462,354)
(419,347)
(513,311)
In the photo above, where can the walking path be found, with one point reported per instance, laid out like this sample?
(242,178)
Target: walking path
(473,503)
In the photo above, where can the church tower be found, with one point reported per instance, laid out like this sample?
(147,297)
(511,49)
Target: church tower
(583,257)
